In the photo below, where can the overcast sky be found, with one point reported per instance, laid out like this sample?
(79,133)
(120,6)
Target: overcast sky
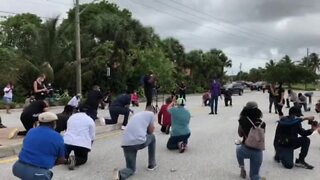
(249,31)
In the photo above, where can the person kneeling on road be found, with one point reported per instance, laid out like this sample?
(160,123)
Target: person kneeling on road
(286,139)
(180,133)
(79,137)
(138,135)
(42,148)
(120,106)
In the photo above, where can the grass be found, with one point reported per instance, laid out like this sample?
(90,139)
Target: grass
(307,87)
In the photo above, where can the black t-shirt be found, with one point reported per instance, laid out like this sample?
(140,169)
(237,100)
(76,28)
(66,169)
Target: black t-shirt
(278,93)
(148,82)
(246,125)
(62,122)
(94,98)
(121,101)
(34,109)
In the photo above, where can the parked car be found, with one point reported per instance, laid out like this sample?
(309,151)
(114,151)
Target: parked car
(237,88)
(260,85)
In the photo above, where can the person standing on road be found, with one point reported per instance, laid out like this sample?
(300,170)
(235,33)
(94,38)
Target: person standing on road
(286,139)
(164,118)
(148,85)
(303,102)
(138,135)
(120,106)
(180,132)
(39,89)
(7,97)
(29,116)
(182,90)
(93,100)
(249,115)
(215,93)
(42,149)
(272,98)
(79,137)
(279,95)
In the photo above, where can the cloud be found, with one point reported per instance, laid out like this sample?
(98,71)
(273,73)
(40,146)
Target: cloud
(251,32)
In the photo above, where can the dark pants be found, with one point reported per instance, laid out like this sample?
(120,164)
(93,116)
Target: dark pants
(272,101)
(228,101)
(130,154)
(165,129)
(206,102)
(285,154)
(148,94)
(28,123)
(92,112)
(279,109)
(309,95)
(214,103)
(305,106)
(174,140)
(183,95)
(115,111)
(81,153)
(288,102)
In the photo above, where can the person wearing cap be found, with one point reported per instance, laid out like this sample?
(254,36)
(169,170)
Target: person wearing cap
(252,113)
(138,135)
(29,117)
(42,149)
(180,131)
(290,135)
(74,101)
(63,118)
(79,137)
(120,106)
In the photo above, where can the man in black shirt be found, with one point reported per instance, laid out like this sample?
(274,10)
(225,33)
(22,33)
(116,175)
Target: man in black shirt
(120,106)
(93,100)
(287,140)
(29,116)
(149,82)
(61,123)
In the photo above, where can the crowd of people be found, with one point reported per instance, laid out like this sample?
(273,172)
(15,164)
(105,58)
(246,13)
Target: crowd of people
(44,147)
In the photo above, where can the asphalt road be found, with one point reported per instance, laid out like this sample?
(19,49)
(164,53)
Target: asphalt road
(210,156)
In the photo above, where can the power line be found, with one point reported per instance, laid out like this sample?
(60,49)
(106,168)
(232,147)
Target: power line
(14,13)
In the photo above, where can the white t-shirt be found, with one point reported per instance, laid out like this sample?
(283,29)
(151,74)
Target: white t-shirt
(136,130)
(7,94)
(80,130)
(74,101)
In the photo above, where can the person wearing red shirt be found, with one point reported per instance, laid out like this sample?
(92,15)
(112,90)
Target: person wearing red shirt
(164,118)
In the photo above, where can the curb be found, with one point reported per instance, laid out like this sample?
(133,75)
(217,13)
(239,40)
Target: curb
(14,149)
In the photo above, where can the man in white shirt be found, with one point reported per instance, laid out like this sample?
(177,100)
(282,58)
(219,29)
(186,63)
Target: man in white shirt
(7,98)
(74,101)
(79,137)
(138,135)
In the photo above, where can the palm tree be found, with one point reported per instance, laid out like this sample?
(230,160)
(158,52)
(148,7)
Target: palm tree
(269,64)
(314,62)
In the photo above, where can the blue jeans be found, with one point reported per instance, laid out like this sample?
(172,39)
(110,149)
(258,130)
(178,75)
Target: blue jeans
(255,157)
(29,172)
(214,103)
(130,154)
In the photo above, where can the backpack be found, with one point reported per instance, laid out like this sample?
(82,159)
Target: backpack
(255,137)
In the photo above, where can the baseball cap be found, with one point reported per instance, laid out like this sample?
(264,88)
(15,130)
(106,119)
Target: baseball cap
(251,105)
(47,117)
(181,101)
(296,111)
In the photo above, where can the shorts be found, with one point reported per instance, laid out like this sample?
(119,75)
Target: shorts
(7,100)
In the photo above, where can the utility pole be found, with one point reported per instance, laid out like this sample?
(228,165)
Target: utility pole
(78,48)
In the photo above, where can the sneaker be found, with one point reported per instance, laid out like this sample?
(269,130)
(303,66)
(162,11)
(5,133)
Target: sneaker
(72,162)
(13,133)
(115,175)
(211,113)
(2,126)
(303,164)
(243,173)
(182,147)
(167,130)
(123,127)
(152,167)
